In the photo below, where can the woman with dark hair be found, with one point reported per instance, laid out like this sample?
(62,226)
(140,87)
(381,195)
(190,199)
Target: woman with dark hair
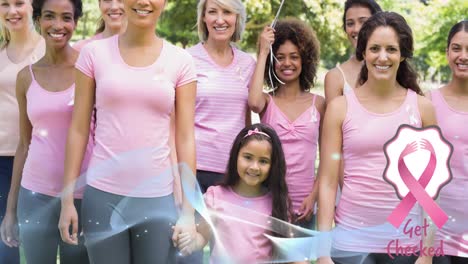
(20,45)
(358,125)
(290,108)
(128,204)
(451,105)
(254,190)
(344,77)
(112,21)
(45,98)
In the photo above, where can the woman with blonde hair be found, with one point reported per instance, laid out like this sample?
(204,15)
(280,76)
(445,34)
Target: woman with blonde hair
(20,45)
(112,21)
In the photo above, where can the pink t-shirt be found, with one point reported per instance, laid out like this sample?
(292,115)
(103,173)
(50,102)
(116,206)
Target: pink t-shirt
(133,105)
(299,139)
(221,106)
(453,198)
(367,199)
(9,120)
(80,44)
(50,115)
(238,225)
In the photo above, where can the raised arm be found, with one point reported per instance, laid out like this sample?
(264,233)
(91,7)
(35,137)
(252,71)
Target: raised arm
(77,140)
(258,99)
(9,228)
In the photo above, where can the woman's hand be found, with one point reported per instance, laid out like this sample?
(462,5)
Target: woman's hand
(9,230)
(267,37)
(307,208)
(68,217)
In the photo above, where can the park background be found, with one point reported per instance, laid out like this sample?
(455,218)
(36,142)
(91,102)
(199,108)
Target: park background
(430,21)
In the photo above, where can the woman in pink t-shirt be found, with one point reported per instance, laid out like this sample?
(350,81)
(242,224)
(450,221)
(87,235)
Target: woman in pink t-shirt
(291,109)
(358,125)
(223,74)
(451,105)
(20,45)
(112,21)
(134,81)
(45,98)
(248,203)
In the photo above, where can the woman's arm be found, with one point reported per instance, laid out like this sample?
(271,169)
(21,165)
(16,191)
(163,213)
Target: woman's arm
(428,118)
(330,157)
(258,99)
(9,228)
(78,136)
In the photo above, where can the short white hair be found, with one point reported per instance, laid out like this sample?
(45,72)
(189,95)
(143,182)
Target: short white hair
(234,6)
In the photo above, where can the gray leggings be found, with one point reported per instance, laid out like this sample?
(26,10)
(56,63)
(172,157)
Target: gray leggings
(38,217)
(370,258)
(128,230)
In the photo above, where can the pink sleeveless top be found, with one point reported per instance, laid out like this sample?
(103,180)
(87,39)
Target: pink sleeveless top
(299,140)
(367,199)
(50,115)
(453,198)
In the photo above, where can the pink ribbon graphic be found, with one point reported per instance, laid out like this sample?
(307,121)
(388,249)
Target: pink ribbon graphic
(416,188)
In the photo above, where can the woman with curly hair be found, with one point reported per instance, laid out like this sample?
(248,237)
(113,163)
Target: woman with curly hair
(290,108)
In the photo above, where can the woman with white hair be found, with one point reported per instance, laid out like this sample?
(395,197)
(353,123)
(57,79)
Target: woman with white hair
(223,73)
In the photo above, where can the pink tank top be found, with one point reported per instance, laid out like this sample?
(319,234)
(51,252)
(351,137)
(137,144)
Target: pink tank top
(453,199)
(50,116)
(299,140)
(367,199)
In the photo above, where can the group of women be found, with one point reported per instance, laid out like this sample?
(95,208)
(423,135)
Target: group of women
(102,125)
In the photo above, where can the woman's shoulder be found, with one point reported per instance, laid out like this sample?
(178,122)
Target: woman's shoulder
(174,50)
(242,55)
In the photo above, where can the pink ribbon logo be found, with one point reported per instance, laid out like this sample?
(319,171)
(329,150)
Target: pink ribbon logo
(411,147)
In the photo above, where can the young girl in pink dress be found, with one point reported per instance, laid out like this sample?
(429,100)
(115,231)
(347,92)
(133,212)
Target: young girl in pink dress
(253,190)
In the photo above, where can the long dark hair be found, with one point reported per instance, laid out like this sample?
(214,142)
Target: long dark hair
(369,4)
(460,26)
(276,181)
(406,75)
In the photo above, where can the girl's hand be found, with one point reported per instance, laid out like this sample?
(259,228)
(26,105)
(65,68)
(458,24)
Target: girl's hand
(267,37)
(68,216)
(307,208)
(325,260)
(187,243)
(185,225)
(9,230)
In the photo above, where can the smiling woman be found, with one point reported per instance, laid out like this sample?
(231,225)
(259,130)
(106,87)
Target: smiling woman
(20,45)
(129,207)
(43,91)
(358,124)
(113,21)
(290,108)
